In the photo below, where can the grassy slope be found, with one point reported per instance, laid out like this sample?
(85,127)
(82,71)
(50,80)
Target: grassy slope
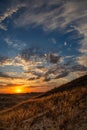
(63,108)
(9,100)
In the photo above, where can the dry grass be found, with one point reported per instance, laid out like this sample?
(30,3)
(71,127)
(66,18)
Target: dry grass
(9,100)
(66,110)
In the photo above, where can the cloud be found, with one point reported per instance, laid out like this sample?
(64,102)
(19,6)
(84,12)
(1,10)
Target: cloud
(82,29)
(58,71)
(31,52)
(43,13)
(2,74)
(78,68)
(39,66)
(58,15)
(36,64)
(5,86)
(53,58)
(46,79)
(14,43)
(63,74)
(3,59)
(6,61)
(9,76)
(53,40)
(7,13)
(3,27)
(52,15)
(65,43)
(82,60)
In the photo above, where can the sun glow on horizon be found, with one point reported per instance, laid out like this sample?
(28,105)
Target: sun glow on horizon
(18,90)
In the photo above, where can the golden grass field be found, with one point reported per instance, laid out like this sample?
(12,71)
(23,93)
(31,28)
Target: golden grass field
(63,108)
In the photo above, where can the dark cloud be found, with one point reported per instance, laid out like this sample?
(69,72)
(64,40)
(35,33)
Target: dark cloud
(46,79)
(4,75)
(55,69)
(62,75)
(35,54)
(33,51)
(63,71)
(13,85)
(78,68)
(34,74)
(3,59)
(34,78)
(10,85)
(53,58)
(41,67)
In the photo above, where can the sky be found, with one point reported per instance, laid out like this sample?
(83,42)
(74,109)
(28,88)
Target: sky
(43,43)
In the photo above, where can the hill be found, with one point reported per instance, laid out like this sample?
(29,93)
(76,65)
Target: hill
(80,82)
(63,108)
(9,100)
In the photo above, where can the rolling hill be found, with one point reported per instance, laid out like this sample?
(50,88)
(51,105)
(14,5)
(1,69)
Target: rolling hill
(9,100)
(63,108)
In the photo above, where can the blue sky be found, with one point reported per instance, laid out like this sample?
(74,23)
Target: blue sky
(43,44)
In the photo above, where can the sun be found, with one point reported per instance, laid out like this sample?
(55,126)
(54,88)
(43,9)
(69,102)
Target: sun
(18,90)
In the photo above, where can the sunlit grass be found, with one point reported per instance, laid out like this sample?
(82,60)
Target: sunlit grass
(61,109)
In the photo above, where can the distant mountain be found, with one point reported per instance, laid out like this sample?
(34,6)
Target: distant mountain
(63,108)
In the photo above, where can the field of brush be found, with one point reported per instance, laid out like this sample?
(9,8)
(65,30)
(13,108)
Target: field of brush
(9,100)
(61,110)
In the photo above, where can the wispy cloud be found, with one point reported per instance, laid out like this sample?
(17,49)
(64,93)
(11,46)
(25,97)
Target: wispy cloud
(50,15)
(58,15)
(41,13)
(3,27)
(43,67)
(3,59)
(9,76)
(7,13)
(15,43)
(82,60)
(53,40)
(2,74)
